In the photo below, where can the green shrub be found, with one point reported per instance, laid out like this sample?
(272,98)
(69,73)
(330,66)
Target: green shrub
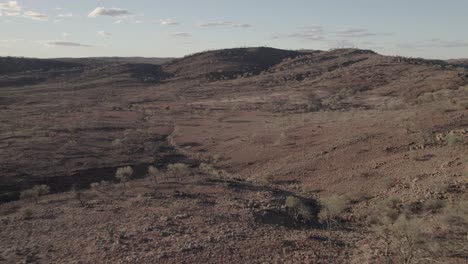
(453,139)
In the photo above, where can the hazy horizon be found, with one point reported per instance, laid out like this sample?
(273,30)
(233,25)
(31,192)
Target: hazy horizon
(119,28)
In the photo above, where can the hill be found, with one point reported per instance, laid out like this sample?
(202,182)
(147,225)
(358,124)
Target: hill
(251,149)
(227,64)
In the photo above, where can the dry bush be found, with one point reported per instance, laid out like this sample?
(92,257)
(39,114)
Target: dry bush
(299,209)
(82,196)
(135,141)
(177,170)
(332,207)
(36,192)
(209,169)
(401,240)
(102,187)
(404,238)
(455,219)
(434,205)
(27,213)
(124,174)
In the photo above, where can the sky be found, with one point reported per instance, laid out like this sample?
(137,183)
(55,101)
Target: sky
(172,28)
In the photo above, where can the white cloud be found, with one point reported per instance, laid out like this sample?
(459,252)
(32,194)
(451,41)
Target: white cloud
(12,14)
(434,43)
(354,33)
(35,16)
(112,12)
(223,24)
(7,43)
(180,34)
(102,33)
(66,35)
(214,24)
(12,6)
(54,43)
(168,22)
(307,33)
(65,15)
(241,25)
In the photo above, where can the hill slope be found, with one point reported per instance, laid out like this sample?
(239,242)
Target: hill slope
(234,132)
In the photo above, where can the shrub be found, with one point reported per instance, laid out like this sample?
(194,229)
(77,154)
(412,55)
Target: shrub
(434,205)
(456,219)
(332,207)
(102,187)
(402,239)
(124,174)
(177,169)
(453,139)
(27,213)
(36,192)
(298,208)
(208,169)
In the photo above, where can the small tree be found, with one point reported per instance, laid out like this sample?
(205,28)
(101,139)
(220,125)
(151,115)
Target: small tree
(332,207)
(124,174)
(36,192)
(403,238)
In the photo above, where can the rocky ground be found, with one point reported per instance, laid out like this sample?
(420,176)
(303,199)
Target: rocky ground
(269,123)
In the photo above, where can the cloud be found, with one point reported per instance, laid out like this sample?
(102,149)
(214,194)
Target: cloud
(242,25)
(7,43)
(453,44)
(223,24)
(343,44)
(215,24)
(65,44)
(66,35)
(112,12)
(35,16)
(168,22)
(434,43)
(12,6)
(12,14)
(307,33)
(65,15)
(104,34)
(180,34)
(358,33)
